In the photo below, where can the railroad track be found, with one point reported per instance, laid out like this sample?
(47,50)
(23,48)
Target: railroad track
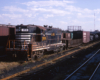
(47,65)
(12,77)
(96,73)
(85,71)
(27,71)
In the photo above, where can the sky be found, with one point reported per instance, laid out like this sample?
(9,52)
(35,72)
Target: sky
(56,13)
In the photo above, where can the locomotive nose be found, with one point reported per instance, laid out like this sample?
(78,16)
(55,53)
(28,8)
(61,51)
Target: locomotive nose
(22,35)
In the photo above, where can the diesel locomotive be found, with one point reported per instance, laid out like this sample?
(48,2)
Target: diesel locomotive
(32,41)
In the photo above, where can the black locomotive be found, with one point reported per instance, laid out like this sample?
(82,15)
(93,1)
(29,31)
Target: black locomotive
(31,41)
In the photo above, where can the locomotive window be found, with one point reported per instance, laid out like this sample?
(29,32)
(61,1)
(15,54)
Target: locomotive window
(12,31)
(32,29)
(38,30)
(64,35)
(19,28)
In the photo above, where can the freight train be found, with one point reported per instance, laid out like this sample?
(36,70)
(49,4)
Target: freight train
(32,41)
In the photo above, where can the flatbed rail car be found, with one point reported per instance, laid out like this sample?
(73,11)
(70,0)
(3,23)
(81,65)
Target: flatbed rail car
(38,40)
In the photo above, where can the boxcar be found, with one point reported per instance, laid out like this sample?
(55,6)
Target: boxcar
(86,36)
(94,36)
(6,32)
(76,34)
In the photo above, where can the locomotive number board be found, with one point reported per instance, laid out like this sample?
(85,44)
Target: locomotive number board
(43,38)
(52,34)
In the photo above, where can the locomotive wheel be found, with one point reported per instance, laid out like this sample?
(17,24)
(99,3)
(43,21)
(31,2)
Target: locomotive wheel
(60,49)
(56,51)
(38,54)
(34,56)
(64,48)
(26,58)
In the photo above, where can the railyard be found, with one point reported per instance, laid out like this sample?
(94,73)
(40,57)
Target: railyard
(55,66)
(49,40)
(56,52)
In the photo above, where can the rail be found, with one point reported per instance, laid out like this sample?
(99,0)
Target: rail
(81,65)
(94,71)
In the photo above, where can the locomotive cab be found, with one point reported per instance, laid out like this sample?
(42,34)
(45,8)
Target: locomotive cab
(29,32)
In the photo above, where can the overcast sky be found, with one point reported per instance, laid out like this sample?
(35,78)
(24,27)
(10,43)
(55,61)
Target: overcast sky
(58,13)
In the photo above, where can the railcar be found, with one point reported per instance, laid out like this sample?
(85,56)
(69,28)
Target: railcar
(72,39)
(94,36)
(31,41)
(6,32)
(86,36)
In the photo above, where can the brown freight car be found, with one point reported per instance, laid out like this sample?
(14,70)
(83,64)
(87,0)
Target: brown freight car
(86,36)
(6,32)
(66,36)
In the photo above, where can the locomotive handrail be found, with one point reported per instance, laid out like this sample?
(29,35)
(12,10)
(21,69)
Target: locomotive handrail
(13,43)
